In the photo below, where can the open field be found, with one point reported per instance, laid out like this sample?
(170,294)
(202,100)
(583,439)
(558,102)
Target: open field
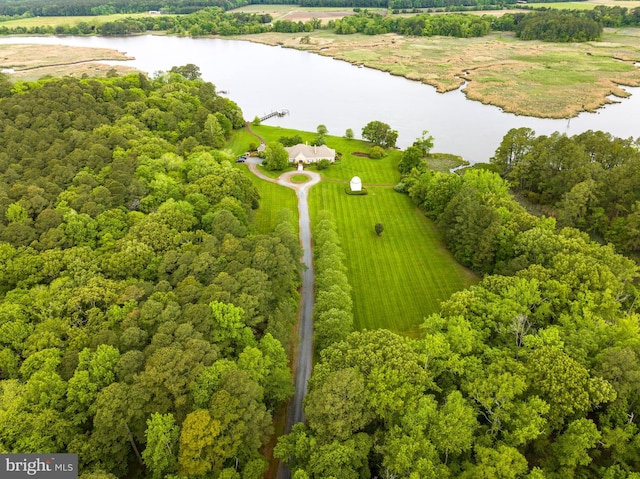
(296,13)
(547,80)
(31,62)
(273,199)
(400,277)
(588,4)
(59,21)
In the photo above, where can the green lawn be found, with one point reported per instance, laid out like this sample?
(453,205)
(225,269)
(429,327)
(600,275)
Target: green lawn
(273,198)
(398,278)
(382,171)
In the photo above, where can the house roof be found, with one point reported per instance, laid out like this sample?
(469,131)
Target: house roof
(310,152)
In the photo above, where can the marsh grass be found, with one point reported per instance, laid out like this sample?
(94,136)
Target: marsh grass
(445,162)
(547,80)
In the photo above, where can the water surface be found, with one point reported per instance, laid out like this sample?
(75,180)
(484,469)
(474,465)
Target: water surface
(320,90)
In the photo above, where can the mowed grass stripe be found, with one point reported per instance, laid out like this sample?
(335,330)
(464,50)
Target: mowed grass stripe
(400,277)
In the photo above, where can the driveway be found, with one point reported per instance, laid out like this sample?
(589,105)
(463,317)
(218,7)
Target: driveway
(303,362)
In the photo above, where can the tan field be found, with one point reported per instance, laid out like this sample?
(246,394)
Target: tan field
(30,62)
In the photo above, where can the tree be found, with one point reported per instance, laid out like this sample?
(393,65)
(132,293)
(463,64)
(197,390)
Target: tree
(337,408)
(411,158)
(380,134)
(197,443)
(348,134)
(322,130)
(189,71)
(162,438)
(276,157)
(424,143)
(379,229)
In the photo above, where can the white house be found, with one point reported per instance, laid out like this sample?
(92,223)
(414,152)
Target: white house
(356,184)
(305,154)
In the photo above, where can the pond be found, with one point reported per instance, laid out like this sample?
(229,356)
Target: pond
(320,90)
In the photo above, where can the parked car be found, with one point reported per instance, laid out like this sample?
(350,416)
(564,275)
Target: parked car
(241,159)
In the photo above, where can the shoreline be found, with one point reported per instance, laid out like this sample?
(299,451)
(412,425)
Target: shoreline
(476,81)
(464,80)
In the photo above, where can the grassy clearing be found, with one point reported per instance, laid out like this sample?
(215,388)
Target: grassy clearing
(273,198)
(587,5)
(547,80)
(31,62)
(399,277)
(295,13)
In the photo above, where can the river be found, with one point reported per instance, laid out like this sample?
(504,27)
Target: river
(320,90)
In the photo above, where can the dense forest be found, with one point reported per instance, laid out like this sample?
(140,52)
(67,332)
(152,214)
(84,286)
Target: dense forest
(590,181)
(144,322)
(532,373)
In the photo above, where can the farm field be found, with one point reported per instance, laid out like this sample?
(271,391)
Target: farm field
(71,20)
(400,277)
(587,5)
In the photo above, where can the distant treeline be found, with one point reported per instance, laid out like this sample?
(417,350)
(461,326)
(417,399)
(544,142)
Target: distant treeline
(45,8)
(209,21)
(546,25)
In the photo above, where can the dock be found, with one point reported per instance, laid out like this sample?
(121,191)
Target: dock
(279,113)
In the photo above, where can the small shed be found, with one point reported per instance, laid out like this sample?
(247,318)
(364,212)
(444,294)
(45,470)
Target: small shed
(356,184)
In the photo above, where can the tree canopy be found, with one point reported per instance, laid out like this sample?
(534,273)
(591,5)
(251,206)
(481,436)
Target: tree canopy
(530,373)
(144,323)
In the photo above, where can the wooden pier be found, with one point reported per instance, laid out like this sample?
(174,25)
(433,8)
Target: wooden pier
(279,113)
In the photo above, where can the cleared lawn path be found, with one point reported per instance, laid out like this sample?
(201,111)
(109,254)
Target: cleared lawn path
(400,277)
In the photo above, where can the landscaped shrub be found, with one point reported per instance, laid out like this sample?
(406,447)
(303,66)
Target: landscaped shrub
(324,164)
(377,152)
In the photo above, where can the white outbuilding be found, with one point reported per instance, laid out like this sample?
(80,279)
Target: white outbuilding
(356,184)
